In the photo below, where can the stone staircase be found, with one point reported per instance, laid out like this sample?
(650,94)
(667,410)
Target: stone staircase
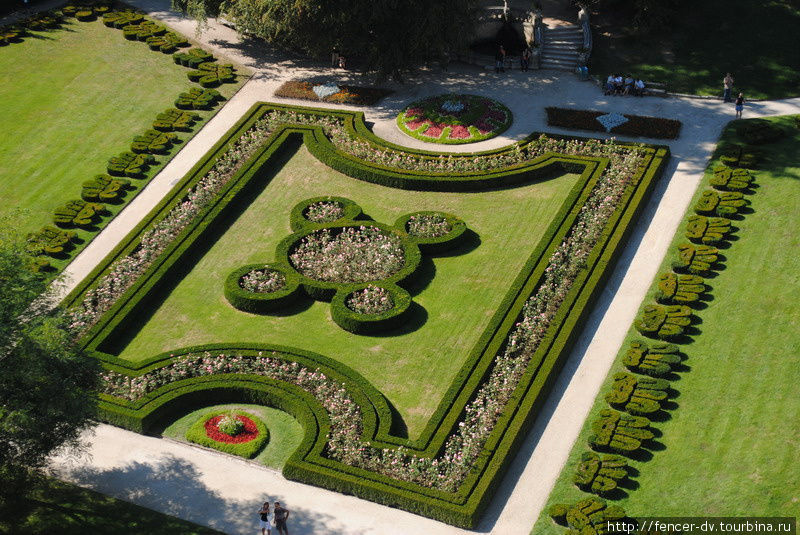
(560,48)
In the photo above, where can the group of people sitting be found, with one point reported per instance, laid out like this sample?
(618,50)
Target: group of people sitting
(617,85)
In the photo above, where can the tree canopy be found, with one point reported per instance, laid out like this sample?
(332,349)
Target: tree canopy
(47,385)
(387,36)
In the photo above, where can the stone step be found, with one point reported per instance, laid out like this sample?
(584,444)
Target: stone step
(561,62)
(550,40)
(574,28)
(556,55)
(558,67)
(558,46)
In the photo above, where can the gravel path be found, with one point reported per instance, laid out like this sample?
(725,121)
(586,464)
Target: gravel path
(225,492)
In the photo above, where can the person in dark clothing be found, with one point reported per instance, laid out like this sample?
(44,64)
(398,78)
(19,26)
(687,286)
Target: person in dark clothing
(525,59)
(500,60)
(739,104)
(281,516)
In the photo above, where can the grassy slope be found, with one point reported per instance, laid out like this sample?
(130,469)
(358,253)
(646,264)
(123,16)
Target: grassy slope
(69,510)
(285,433)
(72,98)
(461,297)
(757,41)
(730,447)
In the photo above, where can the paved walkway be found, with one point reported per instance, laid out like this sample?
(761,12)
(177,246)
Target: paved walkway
(223,492)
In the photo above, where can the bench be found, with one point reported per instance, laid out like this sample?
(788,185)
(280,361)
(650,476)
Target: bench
(658,89)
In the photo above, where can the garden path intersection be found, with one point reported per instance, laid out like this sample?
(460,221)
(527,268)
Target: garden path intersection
(222,491)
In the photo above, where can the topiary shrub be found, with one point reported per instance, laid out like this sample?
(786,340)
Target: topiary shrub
(589,516)
(212,74)
(740,156)
(120,19)
(665,322)
(318,211)
(104,188)
(153,142)
(247,289)
(619,432)
(724,204)
(142,30)
(42,21)
(86,15)
(10,35)
(193,57)
(433,232)
(697,259)
(50,241)
(175,120)
(371,309)
(77,213)
(637,395)
(758,131)
(130,164)
(728,179)
(198,99)
(707,230)
(655,360)
(679,289)
(167,42)
(600,474)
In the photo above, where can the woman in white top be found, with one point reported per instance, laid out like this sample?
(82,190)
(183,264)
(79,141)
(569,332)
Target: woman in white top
(265,519)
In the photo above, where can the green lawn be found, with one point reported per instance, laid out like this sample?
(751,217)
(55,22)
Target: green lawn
(73,98)
(730,446)
(757,41)
(459,293)
(56,507)
(285,433)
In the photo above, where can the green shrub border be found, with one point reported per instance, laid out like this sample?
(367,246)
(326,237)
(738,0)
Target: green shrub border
(439,244)
(260,303)
(307,464)
(197,434)
(357,323)
(297,217)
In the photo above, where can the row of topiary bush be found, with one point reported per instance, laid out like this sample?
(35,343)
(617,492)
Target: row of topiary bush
(309,464)
(640,393)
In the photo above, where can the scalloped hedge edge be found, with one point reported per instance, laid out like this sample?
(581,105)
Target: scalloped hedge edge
(463,507)
(197,435)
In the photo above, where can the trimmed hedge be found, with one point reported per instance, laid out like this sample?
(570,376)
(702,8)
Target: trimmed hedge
(104,188)
(210,74)
(697,259)
(740,156)
(78,213)
(619,432)
(261,303)
(198,99)
(142,30)
(130,164)
(307,463)
(298,219)
(120,19)
(639,396)
(655,360)
(664,322)
(438,244)
(50,241)
(758,131)
(175,120)
(707,230)
(167,42)
(197,434)
(679,289)
(637,125)
(731,179)
(352,321)
(589,516)
(723,204)
(600,474)
(154,142)
(193,57)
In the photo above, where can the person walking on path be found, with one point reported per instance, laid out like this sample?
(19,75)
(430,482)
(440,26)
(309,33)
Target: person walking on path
(281,516)
(500,60)
(739,105)
(525,59)
(265,519)
(727,84)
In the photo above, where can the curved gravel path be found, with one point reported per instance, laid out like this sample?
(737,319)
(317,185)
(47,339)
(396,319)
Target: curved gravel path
(225,492)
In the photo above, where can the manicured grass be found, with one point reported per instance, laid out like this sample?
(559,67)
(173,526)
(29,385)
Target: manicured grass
(730,446)
(459,293)
(285,433)
(756,41)
(57,507)
(73,98)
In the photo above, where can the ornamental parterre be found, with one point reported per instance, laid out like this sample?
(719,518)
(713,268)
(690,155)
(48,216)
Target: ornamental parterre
(454,119)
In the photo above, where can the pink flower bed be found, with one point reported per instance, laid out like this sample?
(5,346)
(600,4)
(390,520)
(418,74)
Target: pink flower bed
(250,431)
(449,118)
(459,132)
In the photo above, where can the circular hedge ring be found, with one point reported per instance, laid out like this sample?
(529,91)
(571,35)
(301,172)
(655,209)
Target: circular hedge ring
(433,232)
(318,211)
(454,119)
(246,443)
(261,302)
(359,323)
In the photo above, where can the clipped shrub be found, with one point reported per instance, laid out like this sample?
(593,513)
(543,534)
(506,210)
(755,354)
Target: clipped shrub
(167,42)
(310,213)
(600,474)
(729,179)
(664,321)
(433,232)
(637,395)
(347,308)
(697,259)
(247,446)
(198,99)
(244,291)
(619,432)
(130,164)
(758,131)
(104,188)
(39,264)
(142,30)
(42,21)
(120,19)
(679,289)
(78,213)
(153,142)
(85,15)
(589,516)
(655,360)
(707,230)
(740,156)
(721,203)
(175,120)
(50,241)
(192,57)
(212,74)
(10,35)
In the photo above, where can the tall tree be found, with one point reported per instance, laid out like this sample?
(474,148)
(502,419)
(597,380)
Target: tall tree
(47,385)
(389,36)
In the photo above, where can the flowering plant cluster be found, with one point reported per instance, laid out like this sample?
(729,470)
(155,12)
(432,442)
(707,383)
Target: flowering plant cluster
(231,429)
(428,226)
(370,300)
(264,280)
(350,254)
(344,443)
(230,424)
(324,211)
(454,119)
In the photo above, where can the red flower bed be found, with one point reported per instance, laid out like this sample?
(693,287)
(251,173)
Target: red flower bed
(250,431)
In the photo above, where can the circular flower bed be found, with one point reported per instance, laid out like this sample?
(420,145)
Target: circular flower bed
(324,211)
(231,431)
(454,119)
(370,300)
(265,280)
(231,428)
(348,254)
(428,226)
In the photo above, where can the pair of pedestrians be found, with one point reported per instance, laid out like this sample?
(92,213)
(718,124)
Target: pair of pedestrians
(277,517)
(727,87)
